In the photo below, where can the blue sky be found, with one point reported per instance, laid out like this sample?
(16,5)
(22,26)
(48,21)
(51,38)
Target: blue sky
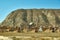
(6,6)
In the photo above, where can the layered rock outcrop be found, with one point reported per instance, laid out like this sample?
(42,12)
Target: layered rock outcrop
(37,16)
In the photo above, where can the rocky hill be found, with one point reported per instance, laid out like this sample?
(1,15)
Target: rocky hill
(37,16)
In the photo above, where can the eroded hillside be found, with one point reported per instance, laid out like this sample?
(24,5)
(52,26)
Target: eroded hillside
(37,16)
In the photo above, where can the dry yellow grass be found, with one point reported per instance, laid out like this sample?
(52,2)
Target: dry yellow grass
(33,36)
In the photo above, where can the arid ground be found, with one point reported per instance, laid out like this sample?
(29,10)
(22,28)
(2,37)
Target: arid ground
(31,36)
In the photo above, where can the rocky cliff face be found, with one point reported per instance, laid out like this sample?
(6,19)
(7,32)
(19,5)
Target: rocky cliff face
(37,16)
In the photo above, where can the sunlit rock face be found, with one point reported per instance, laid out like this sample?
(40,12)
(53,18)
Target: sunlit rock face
(37,16)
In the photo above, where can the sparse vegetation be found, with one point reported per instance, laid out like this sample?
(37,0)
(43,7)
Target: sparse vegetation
(17,24)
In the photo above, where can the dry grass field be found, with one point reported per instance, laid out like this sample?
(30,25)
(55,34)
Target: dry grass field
(31,36)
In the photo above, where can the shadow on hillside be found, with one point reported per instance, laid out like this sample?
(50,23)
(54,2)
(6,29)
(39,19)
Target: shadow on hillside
(45,18)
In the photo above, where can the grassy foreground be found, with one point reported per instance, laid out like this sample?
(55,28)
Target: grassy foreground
(32,36)
(43,34)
